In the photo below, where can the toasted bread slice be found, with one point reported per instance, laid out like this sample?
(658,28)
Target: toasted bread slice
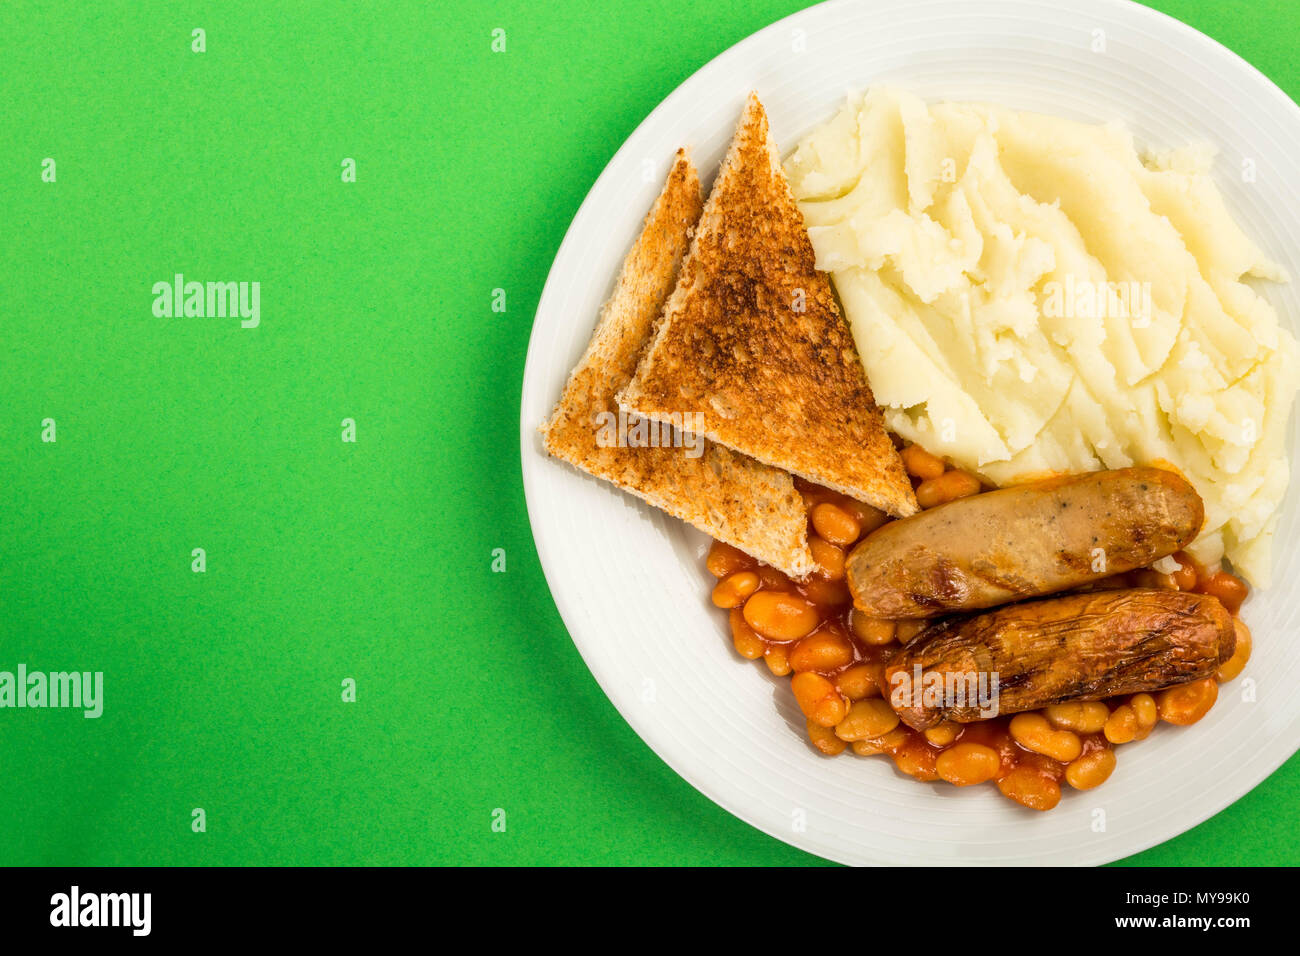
(731,497)
(752,340)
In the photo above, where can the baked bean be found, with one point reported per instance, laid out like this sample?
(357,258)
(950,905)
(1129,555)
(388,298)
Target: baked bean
(964,765)
(1033,732)
(916,759)
(877,668)
(777,659)
(812,495)
(1091,770)
(1228,588)
(867,719)
(723,560)
(835,524)
(1187,703)
(1185,577)
(871,630)
(1150,578)
(780,616)
(943,734)
(832,711)
(894,739)
(818,698)
(1145,712)
(827,649)
(773,579)
(857,682)
(1031,788)
(826,594)
(994,735)
(829,558)
(908,629)
(1235,664)
(921,463)
(884,744)
(747,643)
(734,589)
(869,518)
(810,690)
(824,739)
(949,486)
(1082,718)
(1122,725)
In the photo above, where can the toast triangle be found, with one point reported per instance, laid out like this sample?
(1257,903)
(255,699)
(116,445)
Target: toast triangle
(731,497)
(753,344)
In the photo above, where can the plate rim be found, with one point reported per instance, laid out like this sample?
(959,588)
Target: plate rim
(530,459)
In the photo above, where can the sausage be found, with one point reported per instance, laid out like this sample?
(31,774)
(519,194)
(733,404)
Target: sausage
(1021,542)
(1076,647)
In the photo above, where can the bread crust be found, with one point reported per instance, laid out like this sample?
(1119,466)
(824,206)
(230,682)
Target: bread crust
(753,340)
(727,495)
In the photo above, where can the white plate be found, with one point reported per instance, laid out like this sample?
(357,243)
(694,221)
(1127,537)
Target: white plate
(629,581)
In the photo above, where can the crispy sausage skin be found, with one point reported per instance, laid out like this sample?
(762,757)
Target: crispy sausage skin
(1076,647)
(1021,542)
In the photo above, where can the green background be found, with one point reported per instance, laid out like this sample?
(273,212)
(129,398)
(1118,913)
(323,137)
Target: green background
(328,560)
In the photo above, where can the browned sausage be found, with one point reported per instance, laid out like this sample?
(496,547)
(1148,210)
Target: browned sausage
(1023,541)
(1071,648)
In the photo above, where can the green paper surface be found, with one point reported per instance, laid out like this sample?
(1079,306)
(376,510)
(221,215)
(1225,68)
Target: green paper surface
(328,560)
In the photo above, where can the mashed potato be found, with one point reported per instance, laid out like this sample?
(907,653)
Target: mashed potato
(1031,296)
